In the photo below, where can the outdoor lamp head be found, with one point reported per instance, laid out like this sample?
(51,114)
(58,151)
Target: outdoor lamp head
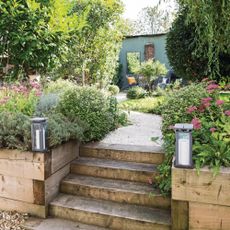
(183,146)
(38,134)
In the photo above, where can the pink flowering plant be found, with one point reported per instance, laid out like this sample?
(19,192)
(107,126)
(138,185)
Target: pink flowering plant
(211,122)
(20,98)
(201,105)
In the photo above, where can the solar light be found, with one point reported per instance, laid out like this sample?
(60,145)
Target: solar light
(38,134)
(183,146)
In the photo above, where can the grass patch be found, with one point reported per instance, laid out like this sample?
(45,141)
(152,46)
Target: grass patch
(145,105)
(225,96)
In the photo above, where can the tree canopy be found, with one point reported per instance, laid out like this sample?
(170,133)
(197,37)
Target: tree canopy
(33,35)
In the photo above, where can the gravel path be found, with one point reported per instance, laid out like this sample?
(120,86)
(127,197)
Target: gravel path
(143,128)
(12,220)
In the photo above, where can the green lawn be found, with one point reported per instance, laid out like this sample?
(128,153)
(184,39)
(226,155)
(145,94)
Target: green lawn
(225,96)
(145,105)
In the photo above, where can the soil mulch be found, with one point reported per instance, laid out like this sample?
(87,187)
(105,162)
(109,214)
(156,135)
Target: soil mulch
(12,220)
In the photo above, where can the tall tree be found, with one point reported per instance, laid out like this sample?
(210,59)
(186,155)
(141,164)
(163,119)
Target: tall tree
(29,37)
(94,54)
(154,19)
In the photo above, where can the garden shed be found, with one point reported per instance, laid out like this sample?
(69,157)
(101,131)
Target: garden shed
(142,47)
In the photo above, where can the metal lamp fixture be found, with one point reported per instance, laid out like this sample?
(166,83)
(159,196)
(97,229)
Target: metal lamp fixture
(183,146)
(38,134)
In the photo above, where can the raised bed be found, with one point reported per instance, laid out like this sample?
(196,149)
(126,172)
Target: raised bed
(29,181)
(204,199)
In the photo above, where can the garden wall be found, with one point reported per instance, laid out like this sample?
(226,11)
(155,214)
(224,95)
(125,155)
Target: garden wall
(200,201)
(29,181)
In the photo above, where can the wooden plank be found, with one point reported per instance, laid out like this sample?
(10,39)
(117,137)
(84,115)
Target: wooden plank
(38,192)
(208,217)
(16,188)
(21,168)
(14,154)
(24,207)
(188,186)
(53,182)
(64,154)
(179,215)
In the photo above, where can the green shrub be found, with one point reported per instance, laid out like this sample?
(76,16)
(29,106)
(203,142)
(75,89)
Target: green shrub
(61,129)
(173,111)
(19,98)
(15,130)
(136,92)
(200,105)
(93,108)
(46,103)
(113,89)
(181,47)
(59,87)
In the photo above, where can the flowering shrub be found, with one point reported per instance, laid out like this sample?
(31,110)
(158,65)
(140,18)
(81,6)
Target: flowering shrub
(211,134)
(200,105)
(20,98)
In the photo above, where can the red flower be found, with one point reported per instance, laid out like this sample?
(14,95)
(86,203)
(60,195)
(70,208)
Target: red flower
(219,102)
(191,109)
(212,130)
(227,112)
(196,123)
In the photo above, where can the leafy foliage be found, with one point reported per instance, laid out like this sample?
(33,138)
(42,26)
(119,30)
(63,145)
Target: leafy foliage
(93,108)
(198,104)
(94,52)
(181,50)
(15,130)
(113,89)
(150,70)
(211,21)
(145,105)
(136,92)
(30,40)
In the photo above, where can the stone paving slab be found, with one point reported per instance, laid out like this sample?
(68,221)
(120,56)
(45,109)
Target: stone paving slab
(143,127)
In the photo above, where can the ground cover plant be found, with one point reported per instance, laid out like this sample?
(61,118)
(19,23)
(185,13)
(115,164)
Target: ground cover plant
(199,104)
(82,113)
(145,105)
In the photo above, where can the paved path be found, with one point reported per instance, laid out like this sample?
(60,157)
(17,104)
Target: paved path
(143,127)
(121,97)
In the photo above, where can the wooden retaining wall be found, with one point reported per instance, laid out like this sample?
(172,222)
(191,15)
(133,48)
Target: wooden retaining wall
(29,181)
(204,199)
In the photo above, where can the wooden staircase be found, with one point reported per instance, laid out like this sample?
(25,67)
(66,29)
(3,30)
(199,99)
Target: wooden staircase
(108,189)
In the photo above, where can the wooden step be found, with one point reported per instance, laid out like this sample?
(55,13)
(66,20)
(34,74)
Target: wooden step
(133,153)
(109,214)
(57,224)
(114,190)
(130,171)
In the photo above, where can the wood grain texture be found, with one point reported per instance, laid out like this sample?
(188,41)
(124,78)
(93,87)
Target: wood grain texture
(208,217)
(64,154)
(16,188)
(188,186)
(53,182)
(180,215)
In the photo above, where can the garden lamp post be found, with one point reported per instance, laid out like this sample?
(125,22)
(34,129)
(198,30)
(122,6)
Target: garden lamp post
(38,134)
(183,146)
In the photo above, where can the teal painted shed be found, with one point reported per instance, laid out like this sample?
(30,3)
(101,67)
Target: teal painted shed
(145,47)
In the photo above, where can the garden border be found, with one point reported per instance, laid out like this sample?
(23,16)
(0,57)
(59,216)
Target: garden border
(29,180)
